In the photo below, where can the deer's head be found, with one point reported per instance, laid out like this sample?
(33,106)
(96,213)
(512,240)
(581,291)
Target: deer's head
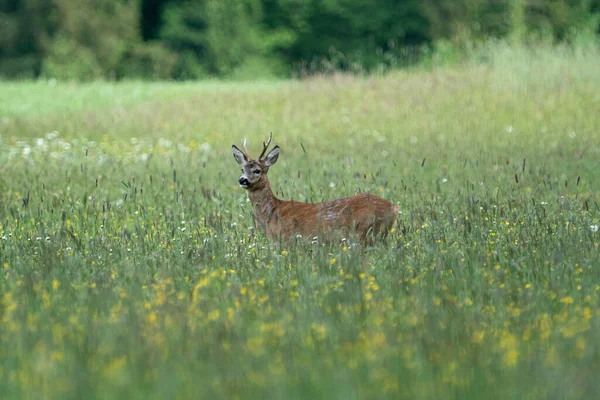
(254,171)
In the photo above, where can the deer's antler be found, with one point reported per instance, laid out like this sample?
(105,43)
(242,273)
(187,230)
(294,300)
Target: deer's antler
(245,149)
(265,146)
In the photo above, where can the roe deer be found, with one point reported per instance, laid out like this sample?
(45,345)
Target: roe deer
(363,215)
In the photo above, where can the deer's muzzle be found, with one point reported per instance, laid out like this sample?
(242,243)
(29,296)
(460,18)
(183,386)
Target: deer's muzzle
(244,182)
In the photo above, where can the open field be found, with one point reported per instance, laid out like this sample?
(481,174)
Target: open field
(129,268)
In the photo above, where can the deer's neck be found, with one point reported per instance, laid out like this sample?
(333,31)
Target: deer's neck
(264,203)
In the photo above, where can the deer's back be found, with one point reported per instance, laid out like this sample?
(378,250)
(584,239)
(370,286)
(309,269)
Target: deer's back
(361,215)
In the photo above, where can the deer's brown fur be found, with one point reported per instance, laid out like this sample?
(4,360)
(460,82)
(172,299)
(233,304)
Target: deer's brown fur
(363,215)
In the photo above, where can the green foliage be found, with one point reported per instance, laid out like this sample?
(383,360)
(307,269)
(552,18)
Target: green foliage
(564,19)
(221,38)
(67,60)
(517,19)
(25,27)
(351,36)
(99,30)
(194,39)
(150,61)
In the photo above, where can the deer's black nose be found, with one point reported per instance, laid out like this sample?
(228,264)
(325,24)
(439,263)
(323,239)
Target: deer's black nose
(243,181)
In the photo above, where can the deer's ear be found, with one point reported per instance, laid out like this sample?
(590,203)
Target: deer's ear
(239,156)
(271,158)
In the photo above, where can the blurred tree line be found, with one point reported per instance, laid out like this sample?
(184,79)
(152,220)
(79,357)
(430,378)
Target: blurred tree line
(190,39)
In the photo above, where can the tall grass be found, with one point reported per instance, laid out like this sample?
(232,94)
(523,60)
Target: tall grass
(132,268)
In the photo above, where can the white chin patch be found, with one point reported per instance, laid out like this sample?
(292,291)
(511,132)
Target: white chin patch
(244,186)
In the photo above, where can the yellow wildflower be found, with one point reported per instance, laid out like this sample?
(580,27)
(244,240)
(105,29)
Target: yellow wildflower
(567,300)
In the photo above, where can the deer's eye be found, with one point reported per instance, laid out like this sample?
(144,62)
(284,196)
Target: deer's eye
(256,171)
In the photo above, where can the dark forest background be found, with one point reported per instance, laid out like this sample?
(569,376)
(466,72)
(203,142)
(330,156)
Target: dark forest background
(241,39)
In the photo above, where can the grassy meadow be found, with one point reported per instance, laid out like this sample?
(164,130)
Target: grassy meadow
(131,267)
